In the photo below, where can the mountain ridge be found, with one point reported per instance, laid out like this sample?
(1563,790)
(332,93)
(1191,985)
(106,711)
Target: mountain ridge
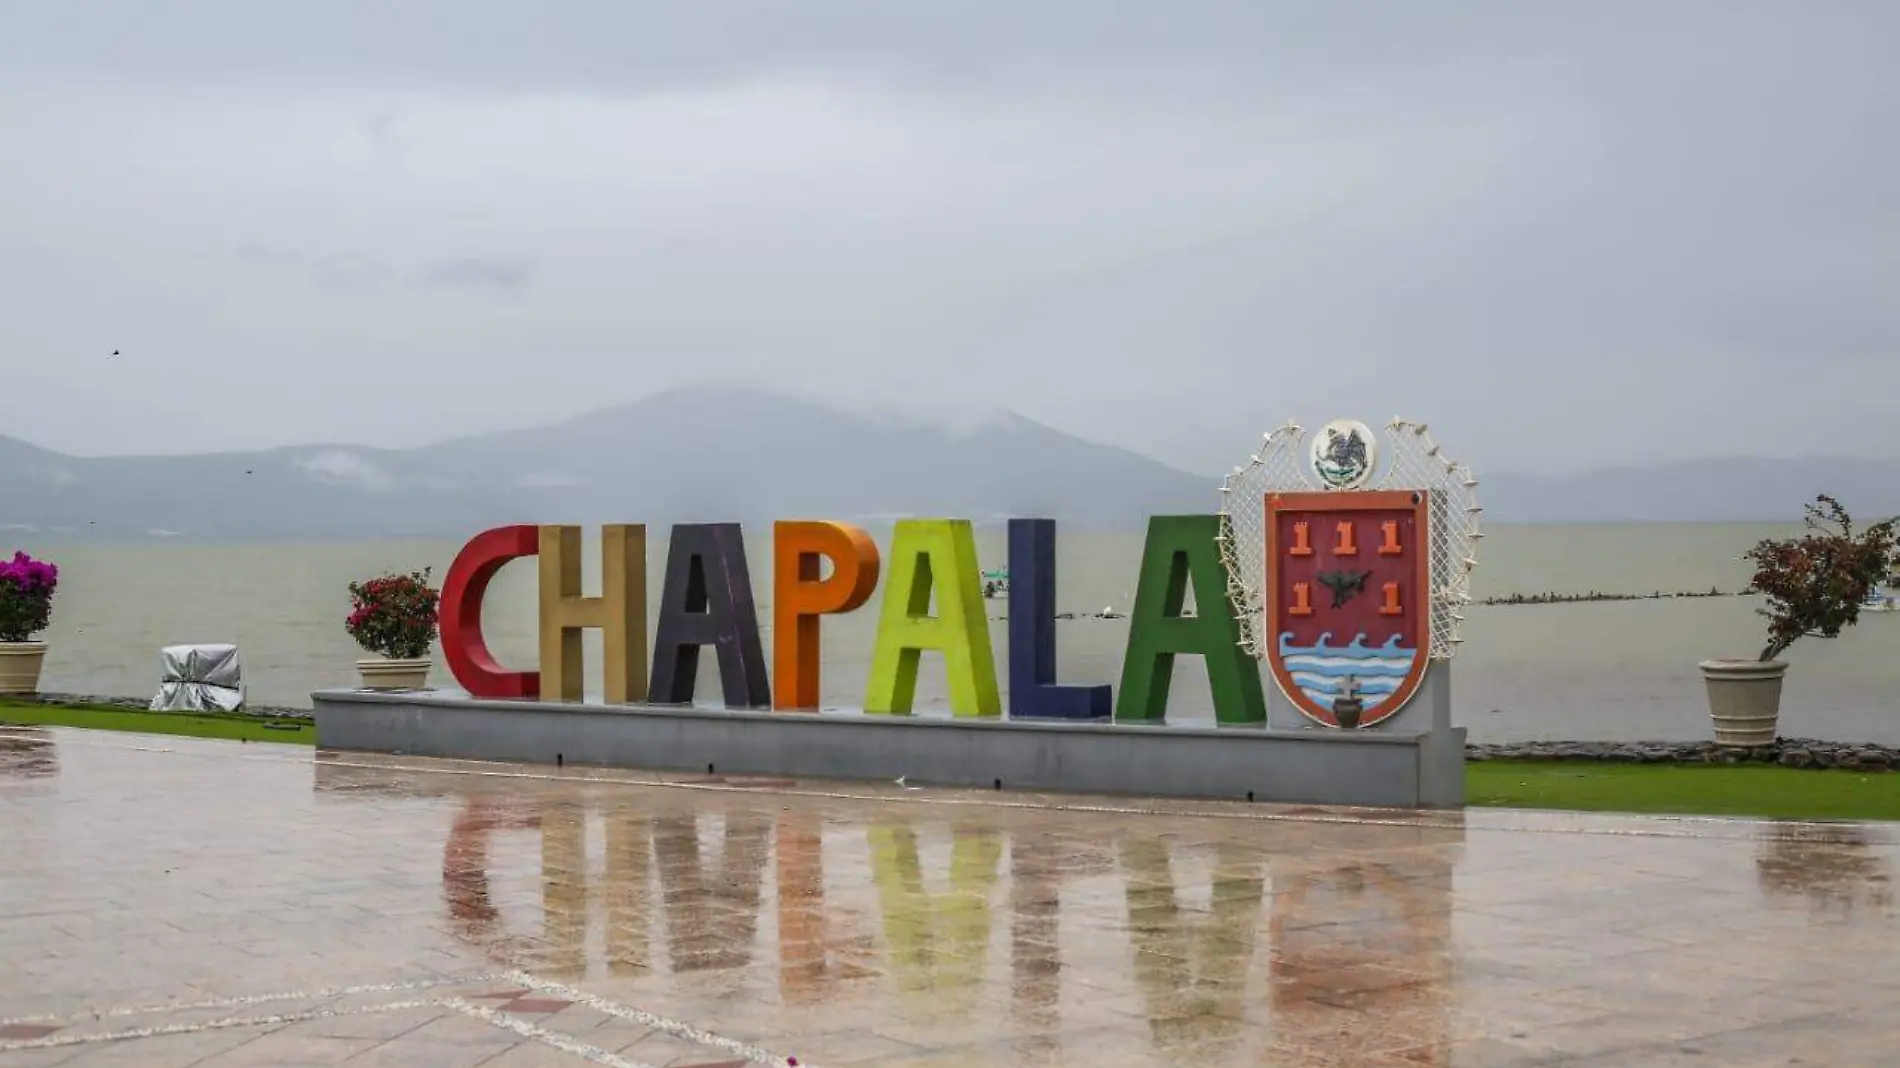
(743,454)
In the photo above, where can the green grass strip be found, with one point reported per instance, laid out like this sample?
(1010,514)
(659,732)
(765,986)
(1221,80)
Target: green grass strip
(1760,790)
(227,725)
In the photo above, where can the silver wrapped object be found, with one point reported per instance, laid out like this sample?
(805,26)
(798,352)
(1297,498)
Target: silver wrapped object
(200,678)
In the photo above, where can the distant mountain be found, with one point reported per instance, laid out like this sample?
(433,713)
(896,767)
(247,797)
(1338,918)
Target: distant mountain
(701,453)
(716,453)
(1694,491)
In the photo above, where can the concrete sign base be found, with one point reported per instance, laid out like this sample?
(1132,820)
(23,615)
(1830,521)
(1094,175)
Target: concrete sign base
(1387,767)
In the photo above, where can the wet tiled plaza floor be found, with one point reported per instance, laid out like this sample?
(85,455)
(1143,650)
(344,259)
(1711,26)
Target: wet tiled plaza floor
(169,902)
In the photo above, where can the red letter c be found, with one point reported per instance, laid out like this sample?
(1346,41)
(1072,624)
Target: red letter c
(462,591)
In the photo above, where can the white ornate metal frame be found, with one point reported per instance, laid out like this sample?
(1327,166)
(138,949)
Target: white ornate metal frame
(1410,460)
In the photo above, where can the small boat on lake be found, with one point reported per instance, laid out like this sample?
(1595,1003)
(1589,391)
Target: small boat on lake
(996,583)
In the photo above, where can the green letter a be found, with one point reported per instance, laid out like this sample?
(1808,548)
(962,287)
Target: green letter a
(1181,548)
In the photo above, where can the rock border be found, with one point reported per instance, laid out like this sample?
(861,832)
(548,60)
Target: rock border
(1786,752)
(144,704)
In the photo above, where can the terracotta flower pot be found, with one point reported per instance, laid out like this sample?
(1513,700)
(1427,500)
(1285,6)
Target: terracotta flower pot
(385,673)
(20,664)
(1744,699)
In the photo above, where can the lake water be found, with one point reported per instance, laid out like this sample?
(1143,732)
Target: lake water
(1604,670)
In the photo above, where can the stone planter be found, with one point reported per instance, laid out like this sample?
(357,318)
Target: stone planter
(384,673)
(1744,699)
(20,667)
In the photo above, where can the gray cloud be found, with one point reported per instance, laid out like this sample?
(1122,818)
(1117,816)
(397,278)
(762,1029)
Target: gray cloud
(335,271)
(1564,234)
(386,136)
(353,271)
(641,44)
(471,272)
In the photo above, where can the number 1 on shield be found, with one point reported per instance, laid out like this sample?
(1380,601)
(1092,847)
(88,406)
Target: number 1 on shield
(1302,600)
(1300,547)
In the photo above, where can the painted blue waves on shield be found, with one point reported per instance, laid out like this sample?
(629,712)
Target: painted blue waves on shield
(1319,670)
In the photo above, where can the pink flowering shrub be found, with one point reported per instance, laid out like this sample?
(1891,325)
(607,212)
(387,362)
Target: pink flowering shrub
(394,615)
(26,597)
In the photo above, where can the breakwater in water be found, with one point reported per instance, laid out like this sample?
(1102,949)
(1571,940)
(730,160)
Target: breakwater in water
(1501,601)
(1594,595)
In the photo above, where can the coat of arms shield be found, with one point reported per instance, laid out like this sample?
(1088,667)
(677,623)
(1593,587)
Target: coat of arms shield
(1348,601)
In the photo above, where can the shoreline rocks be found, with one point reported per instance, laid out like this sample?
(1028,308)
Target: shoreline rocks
(1786,752)
(142,704)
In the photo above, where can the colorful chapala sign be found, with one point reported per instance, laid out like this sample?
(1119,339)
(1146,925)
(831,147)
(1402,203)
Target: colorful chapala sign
(1354,574)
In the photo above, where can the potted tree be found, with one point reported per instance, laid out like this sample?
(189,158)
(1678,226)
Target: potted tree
(1815,586)
(394,616)
(26,607)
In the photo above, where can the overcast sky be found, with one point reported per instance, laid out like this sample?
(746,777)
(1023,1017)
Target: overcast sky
(1564,233)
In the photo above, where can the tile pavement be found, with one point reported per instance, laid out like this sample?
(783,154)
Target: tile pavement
(172,902)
